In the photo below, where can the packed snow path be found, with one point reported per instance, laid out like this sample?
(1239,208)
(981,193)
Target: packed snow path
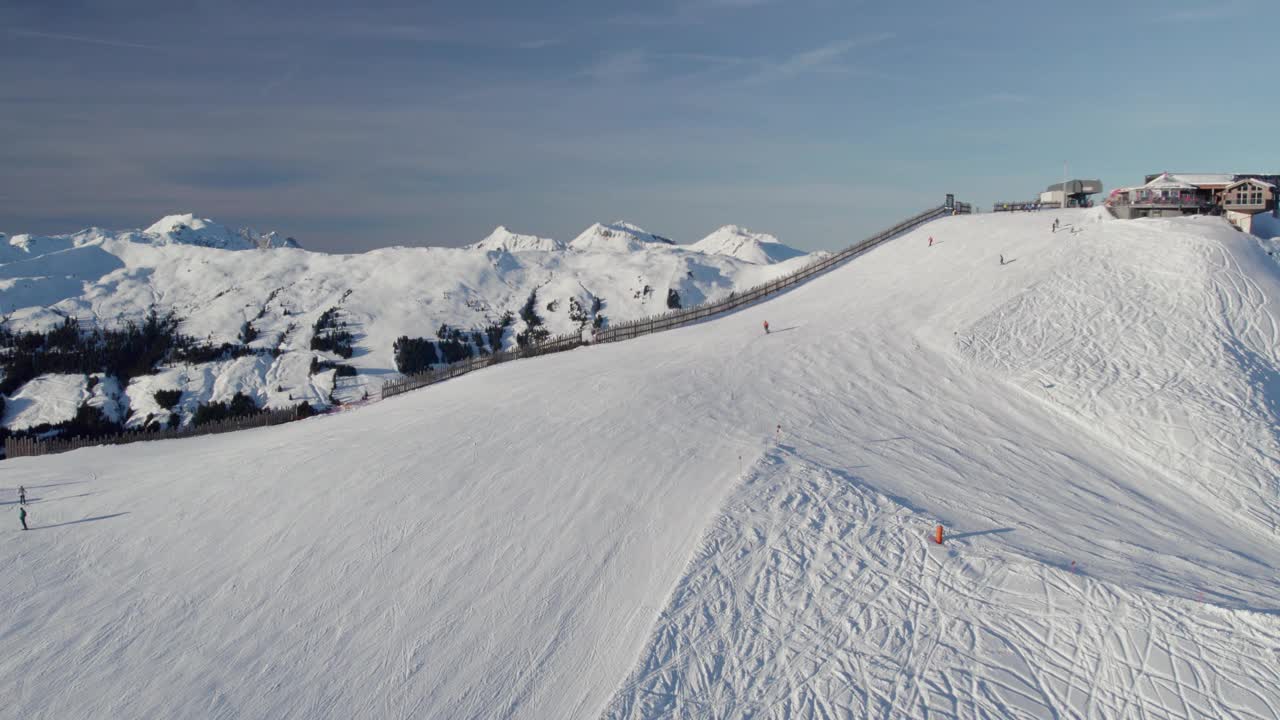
(623,530)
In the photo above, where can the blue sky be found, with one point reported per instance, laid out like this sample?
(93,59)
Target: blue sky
(403,123)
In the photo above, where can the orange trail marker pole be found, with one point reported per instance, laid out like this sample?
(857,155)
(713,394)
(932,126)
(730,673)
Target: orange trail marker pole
(937,537)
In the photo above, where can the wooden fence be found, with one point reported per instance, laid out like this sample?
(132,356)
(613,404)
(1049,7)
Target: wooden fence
(560,343)
(698,313)
(675,318)
(25,447)
(29,447)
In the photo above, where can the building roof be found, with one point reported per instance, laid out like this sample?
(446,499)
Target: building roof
(1087,187)
(1207,178)
(1245,181)
(1202,179)
(1167,181)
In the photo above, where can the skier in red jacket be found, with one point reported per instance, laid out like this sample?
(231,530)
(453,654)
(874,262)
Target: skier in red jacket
(766,327)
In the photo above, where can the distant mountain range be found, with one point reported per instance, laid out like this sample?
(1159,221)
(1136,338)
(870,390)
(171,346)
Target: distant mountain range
(268,297)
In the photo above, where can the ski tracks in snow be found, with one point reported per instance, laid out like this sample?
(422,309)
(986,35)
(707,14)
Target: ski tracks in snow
(1200,400)
(813,596)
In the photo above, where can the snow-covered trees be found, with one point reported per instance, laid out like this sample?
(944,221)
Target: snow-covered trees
(248,333)
(240,405)
(534,332)
(128,351)
(167,399)
(414,355)
(673,299)
(330,334)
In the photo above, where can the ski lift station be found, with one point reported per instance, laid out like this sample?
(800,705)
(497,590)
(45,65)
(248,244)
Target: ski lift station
(1072,193)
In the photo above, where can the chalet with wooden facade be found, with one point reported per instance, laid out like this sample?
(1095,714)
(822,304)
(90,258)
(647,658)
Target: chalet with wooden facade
(1238,197)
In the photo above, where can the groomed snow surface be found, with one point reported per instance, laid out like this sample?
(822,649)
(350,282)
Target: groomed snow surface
(715,522)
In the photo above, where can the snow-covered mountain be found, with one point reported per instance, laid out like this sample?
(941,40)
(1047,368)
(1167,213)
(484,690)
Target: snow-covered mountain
(503,240)
(216,280)
(718,523)
(191,230)
(170,230)
(737,242)
(617,237)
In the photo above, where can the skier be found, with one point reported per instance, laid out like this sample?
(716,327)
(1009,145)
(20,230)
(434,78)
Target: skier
(22,517)
(930,241)
(22,495)
(1002,258)
(1055,224)
(766,327)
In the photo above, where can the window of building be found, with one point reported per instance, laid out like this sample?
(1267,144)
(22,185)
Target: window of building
(1246,195)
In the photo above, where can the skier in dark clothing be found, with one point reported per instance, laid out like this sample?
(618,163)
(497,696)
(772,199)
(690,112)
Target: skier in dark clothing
(22,495)
(22,517)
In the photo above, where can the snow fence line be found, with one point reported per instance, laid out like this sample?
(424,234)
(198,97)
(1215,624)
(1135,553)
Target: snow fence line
(31,447)
(674,318)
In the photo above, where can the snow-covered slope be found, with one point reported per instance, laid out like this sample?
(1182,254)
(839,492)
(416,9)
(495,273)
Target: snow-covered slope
(1267,226)
(714,522)
(733,241)
(47,399)
(216,279)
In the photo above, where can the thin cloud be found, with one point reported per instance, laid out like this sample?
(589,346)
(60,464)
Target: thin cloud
(727,4)
(280,80)
(694,12)
(1209,13)
(992,99)
(83,39)
(619,66)
(636,20)
(479,34)
(539,43)
(822,57)
(1007,98)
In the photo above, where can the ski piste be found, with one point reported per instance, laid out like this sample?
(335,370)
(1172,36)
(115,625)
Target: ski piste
(711,522)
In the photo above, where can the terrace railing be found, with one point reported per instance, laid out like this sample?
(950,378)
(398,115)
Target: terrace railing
(1163,202)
